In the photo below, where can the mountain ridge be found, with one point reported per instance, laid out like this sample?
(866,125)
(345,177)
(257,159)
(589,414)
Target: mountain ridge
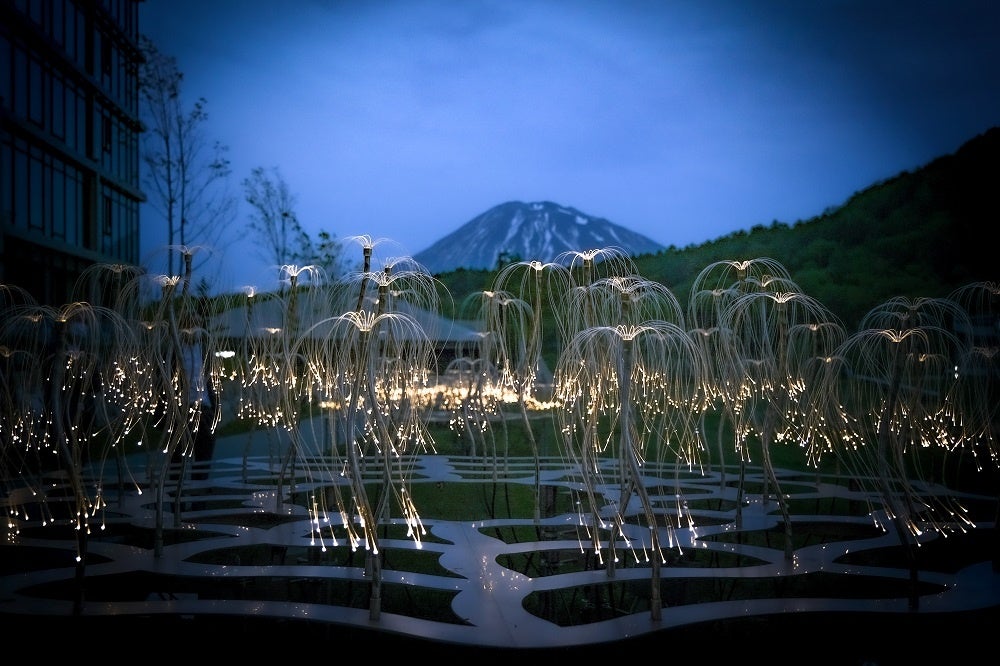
(921,233)
(540,230)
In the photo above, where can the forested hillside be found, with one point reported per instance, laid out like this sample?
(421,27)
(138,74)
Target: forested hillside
(918,234)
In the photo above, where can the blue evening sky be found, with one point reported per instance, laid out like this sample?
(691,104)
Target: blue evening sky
(682,120)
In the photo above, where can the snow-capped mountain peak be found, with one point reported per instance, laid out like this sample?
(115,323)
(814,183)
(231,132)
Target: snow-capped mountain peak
(538,231)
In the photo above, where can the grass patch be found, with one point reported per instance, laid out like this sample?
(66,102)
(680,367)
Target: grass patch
(413,601)
(803,534)
(606,600)
(257,555)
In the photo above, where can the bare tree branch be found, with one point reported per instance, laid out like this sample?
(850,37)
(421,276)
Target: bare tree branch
(186,177)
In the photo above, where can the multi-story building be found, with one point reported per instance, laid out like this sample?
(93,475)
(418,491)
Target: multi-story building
(69,141)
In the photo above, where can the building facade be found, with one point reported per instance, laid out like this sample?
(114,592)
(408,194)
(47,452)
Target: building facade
(69,141)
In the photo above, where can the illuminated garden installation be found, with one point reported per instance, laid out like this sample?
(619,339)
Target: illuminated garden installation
(625,449)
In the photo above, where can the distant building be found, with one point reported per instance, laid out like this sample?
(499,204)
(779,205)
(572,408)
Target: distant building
(69,141)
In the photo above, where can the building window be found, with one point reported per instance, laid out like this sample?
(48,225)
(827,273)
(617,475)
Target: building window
(19,186)
(106,57)
(107,215)
(59,201)
(6,81)
(36,92)
(59,109)
(106,133)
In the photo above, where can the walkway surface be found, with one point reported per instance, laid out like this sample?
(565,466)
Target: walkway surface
(488,596)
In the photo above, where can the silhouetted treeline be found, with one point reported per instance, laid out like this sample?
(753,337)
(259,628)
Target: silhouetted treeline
(918,234)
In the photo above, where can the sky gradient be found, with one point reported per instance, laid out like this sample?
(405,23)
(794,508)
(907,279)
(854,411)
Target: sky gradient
(683,121)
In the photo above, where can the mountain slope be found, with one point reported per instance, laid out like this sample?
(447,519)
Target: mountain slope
(530,231)
(921,233)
